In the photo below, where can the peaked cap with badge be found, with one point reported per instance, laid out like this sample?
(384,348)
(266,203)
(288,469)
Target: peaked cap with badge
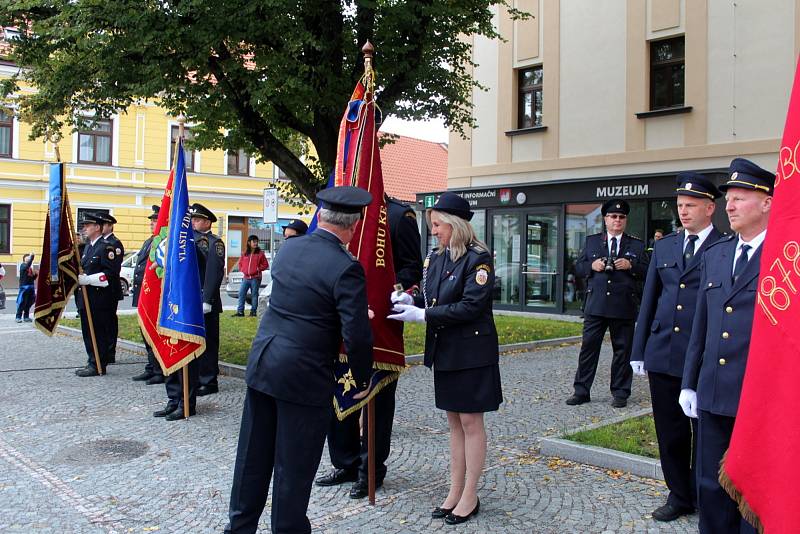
(107,218)
(201,212)
(297,225)
(344,199)
(615,205)
(694,184)
(154,216)
(454,204)
(744,174)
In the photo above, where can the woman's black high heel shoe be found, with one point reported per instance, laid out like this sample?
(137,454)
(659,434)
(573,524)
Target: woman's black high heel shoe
(453,519)
(439,513)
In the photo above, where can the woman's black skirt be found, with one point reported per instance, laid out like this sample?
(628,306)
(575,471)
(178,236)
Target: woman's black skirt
(468,390)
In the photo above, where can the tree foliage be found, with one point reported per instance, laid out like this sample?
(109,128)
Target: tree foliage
(252,74)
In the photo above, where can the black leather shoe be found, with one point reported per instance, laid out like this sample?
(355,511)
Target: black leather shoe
(155,379)
(237,314)
(439,513)
(361,488)
(142,377)
(578,399)
(336,477)
(253,314)
(453,519)
(168,409)
(177,415)
(202,391)
(619,402)
(87,371)
(670,513)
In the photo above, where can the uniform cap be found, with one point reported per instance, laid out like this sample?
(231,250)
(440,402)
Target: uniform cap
(107,218)
(615,205)
(744,174)
(297,225)
(94,218)
(202,212)
(154,216)
(344,199)
(454,204)
(694,184)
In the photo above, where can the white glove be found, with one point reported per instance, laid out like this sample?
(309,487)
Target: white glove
(206,308)
(688,401)
(638,367)
(83,279)
(401,297)
(99,280)
(408,313)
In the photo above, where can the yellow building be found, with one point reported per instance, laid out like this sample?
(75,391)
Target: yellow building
(121,165)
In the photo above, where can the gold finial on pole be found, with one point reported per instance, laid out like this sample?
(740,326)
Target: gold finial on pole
(181,124)
(369,52)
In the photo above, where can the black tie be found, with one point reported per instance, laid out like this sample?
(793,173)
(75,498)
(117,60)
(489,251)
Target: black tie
(688,254)
(613,247)
(741,262)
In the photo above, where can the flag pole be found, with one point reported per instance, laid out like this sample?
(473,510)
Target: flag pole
(369,51)
(185,368)
(86,305)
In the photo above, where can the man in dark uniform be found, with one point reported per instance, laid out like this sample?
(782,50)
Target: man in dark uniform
(347,449)
(290,381)
(614,264)
(662,334)
(296,227)
(98,261)
(717,352)
(108,234)
(211,261)
(152,370)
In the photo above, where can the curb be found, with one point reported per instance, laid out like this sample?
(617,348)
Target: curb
(601,457)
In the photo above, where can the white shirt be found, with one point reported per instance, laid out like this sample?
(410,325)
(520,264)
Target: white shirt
(609,236)
(702,235)
(754,244)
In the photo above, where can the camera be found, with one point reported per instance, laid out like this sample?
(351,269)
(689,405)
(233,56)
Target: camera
(610,264)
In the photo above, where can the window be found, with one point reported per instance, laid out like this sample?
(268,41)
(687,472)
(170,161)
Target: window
(94,142)
(6,133)
(187,154)
(530,98)
(238,163)
(667,71)
(5,229)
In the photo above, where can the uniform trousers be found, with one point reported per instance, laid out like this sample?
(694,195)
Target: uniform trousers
(174,386)
(101,320)
(594,328)
(284,438)
(718,512)
(345,444)
(209,360)
(676,446)
(152,366)
(113,335)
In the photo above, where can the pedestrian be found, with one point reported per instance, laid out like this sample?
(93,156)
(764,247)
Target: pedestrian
(460,345)
(313,311)
(614,265)
(114,281)
(98,262)
(27,291)
(716,356)
(347,439)
(152,373)
(295,228)
(251,265)
(662,335)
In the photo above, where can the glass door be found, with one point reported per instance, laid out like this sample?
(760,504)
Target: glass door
(540,269)
(506,249)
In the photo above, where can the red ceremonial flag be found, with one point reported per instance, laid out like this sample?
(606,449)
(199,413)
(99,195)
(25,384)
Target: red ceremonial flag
(761,469)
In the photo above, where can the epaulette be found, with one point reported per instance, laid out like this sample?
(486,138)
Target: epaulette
(633,237)
(724,239)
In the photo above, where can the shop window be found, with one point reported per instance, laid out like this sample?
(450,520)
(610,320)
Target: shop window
(664,217)
(6,133)
(667,72)
(238,163)
(188,155)
(94,142)
(580,221)
(530,98)
(5,229)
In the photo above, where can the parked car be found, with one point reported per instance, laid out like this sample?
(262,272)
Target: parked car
(126,273)
(235,281)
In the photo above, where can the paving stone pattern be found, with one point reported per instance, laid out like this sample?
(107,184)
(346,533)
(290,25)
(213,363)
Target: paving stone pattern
(85,455)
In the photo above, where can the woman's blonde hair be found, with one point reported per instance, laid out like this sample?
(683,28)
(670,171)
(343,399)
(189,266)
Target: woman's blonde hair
(463,234)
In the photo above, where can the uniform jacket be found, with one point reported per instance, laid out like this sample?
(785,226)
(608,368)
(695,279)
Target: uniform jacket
(460,327)
(615,294)
(404,234)
(138,270)
(211,261)
(99,258)
(668,302)
(119,253)
(314,307)
(717,352)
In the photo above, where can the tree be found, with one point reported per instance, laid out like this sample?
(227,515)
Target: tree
(251,74)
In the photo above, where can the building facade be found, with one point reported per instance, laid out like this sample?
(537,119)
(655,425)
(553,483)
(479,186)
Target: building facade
(589,100)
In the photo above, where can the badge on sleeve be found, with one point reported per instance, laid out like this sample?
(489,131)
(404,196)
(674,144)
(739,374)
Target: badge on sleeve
(219,248)
(202,244)
(118,251)
(111,255)
(481,277)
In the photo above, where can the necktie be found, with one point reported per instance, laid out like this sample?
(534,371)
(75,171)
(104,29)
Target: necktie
(613,247)
(688,253)
(741,262)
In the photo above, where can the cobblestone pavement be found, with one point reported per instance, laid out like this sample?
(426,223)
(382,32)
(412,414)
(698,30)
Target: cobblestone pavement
(85,455)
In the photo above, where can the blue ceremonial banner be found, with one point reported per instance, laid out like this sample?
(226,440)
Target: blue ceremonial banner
(55,216)
(181,307)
